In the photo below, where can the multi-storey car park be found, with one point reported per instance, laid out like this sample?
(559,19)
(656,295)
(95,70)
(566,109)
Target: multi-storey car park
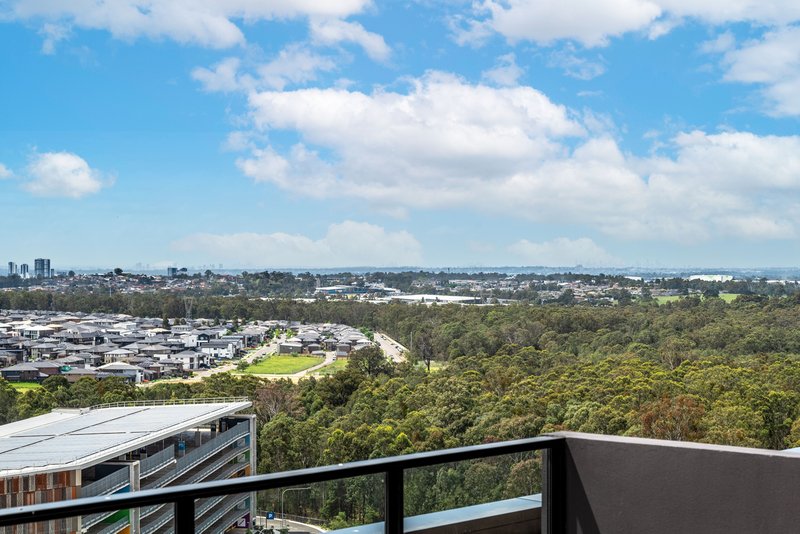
(71,453)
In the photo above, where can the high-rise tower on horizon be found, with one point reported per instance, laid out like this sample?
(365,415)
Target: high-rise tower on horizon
(41,268)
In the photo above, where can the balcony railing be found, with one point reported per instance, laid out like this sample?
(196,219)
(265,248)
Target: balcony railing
(183,497)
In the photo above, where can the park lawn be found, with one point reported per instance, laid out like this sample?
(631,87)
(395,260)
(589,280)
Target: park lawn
(728,297)
(283,365)
(25,386)
(335,367)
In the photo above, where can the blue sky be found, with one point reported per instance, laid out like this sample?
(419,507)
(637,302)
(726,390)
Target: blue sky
(277,133)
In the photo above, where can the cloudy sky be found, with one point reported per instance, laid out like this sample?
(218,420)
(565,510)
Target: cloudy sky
(314,133)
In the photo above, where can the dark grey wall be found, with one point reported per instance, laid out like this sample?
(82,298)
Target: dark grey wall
(631,485)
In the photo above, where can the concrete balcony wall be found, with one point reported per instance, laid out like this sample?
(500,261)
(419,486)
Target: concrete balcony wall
(633,485)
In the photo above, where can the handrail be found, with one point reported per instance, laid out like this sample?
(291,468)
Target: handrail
(200,454)
(169,402)
(216,466)
(157,461)
(108,484)
(220,513)
(211,447)
(393,467)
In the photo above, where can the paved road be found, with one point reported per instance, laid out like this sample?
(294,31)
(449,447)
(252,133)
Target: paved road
(293,526)
(391,348)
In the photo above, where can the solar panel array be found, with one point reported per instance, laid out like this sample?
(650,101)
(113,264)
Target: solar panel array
(108,432)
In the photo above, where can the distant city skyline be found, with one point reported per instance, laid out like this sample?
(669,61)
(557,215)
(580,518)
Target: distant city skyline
(644,133)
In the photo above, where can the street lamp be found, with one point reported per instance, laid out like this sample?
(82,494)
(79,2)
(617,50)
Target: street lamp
(283,516)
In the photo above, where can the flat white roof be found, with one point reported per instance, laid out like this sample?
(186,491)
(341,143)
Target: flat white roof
(74,439)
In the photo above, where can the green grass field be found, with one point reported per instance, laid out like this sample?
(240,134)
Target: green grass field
(25,386)
(335,367)
(283,365)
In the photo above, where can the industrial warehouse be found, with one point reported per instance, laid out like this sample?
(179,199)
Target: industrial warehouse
(71,453)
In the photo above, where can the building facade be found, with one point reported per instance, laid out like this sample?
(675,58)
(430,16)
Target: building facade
(41,268)
(71,453)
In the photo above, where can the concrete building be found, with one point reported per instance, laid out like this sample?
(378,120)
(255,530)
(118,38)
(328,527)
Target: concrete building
(12,268)
(71,453)
(41,268)
(23,270)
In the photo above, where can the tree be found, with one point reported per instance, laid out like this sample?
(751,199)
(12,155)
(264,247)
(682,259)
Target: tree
(8,402)
(276,397)
(567,297)
(52,383)
(118,271)
(370,361)
(424,348)
(676,418)
(711,292)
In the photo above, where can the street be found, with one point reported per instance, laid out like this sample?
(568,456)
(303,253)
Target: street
(391,348)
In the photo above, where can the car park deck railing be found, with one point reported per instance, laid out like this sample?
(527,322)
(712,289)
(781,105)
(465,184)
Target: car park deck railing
(170,402)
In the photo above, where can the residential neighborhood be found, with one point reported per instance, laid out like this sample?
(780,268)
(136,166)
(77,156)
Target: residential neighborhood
(35,345)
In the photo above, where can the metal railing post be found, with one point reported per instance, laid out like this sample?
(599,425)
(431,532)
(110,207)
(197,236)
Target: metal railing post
(184,516)
(393,484)
(554,495)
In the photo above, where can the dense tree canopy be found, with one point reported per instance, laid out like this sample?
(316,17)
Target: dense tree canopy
(696,369)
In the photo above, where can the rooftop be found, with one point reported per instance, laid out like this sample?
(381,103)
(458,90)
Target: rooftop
(77,438)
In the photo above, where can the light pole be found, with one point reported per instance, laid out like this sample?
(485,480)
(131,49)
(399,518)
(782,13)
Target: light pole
(283,516)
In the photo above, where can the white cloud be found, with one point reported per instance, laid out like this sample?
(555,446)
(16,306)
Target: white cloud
(446,143)
(293,65)
(347,244)
(222,77)
(773,62)
(53,34)
(547,21)
(589,22)
(441,136)
(761,12)
(722,43)
(575,66)
(5,172)
(62,174)
(563,252)
(334,31)
(505,72)
(203,22)
(465,31)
